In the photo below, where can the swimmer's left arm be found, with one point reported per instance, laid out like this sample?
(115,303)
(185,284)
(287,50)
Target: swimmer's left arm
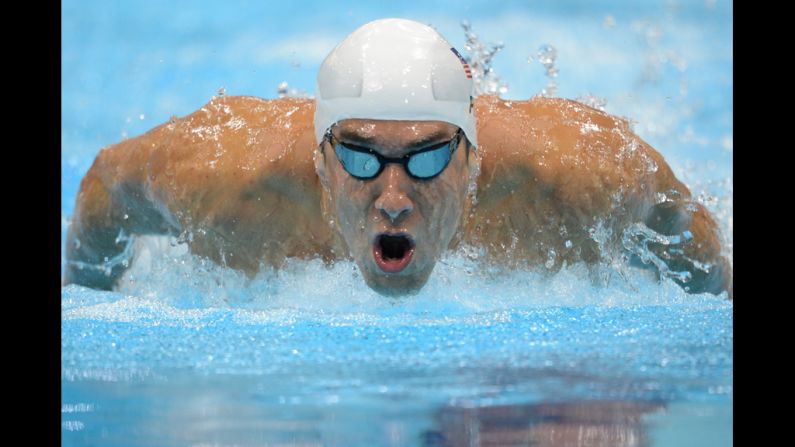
(649,192)
(554,170)
(686,239)
(690,248)
(696,244)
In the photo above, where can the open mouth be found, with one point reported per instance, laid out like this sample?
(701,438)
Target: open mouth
(393,252)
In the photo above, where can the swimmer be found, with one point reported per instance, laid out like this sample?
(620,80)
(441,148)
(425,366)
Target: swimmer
(379,167)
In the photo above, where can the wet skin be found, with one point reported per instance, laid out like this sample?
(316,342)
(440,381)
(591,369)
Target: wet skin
(248,184)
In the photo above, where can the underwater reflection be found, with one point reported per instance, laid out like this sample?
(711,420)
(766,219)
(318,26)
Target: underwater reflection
(578,423)
(254,412)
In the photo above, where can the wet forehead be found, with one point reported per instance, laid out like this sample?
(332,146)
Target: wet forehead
(394,134)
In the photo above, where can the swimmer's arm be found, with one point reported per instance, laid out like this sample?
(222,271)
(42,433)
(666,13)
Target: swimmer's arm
(112,205)
(551,163)
(692,242)
(236,177)
(699,249)
(632,169)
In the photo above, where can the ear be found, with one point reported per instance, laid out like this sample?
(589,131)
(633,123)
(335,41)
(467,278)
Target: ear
(320,166)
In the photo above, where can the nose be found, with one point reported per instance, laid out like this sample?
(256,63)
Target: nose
(393,200)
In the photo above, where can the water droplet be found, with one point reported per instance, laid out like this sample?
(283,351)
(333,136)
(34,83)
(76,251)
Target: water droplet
(590,100)
(485,80)
(281,89)
(141,117)
(547,54)
(551,256)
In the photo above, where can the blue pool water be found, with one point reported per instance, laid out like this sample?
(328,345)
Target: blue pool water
(189,353)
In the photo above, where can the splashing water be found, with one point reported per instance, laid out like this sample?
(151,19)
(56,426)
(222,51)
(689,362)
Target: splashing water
(546,56)
(650,34)
(283,90)
(203,346)
(590,100)
(486,81)
(106,266)
(165,271)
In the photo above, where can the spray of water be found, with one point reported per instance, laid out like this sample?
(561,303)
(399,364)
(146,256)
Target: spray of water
(590,100)
(547,55)
(166,273)
(480,57)
(283,90)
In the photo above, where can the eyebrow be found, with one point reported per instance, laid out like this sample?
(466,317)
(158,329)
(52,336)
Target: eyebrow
(370,142)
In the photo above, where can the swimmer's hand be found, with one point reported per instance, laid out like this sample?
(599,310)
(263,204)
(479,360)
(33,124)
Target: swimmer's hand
(698,251)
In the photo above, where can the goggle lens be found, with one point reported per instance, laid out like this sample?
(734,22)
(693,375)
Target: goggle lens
(366,164)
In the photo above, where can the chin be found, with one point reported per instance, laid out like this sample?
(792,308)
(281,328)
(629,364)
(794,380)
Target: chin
(396,285)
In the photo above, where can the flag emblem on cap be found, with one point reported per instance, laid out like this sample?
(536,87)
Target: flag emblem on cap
(463,62)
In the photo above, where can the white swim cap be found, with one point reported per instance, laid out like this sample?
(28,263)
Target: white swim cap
(395,69)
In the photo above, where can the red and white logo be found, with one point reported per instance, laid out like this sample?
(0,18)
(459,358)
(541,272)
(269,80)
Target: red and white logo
(467,70)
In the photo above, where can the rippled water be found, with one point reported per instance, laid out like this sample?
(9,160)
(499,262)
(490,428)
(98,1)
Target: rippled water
(189,353)
(351,369)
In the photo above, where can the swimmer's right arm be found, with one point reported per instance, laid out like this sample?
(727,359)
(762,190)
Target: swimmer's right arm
(113,203)
(236,177)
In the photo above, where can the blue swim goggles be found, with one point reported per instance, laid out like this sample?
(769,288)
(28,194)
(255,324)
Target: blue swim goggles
(364,163)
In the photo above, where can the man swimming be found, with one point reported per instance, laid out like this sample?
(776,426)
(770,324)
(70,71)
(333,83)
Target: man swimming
(379,169)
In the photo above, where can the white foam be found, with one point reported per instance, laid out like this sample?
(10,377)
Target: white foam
(165,281)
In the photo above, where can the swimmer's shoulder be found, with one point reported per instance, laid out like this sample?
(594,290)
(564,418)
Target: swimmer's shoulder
(548,127)
(232,152)
(231,140)
(240,174)
(249,129)
(227,134)
(571,153)
(240,142)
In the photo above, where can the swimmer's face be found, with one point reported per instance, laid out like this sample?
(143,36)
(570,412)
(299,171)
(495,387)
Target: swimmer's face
(395,226)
